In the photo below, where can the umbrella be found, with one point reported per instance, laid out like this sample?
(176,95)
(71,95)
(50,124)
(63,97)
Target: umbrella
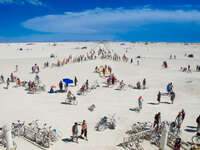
(53,86)
(69,81)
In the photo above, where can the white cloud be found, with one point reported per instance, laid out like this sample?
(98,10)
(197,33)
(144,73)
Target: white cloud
(22,2)
(108,20)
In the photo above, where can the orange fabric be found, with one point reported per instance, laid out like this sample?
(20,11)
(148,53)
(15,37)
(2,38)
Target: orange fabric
(84,126)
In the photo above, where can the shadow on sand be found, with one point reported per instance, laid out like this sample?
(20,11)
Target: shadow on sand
(66,140)
(151,103)
(135,109)
(165,102)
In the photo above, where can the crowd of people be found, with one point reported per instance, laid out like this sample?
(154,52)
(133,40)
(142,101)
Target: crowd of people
(107,72)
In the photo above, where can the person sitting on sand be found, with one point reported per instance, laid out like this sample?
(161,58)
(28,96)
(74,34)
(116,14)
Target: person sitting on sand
(18,82)
(82,89)
(96,69)
(121,84)
(165,64)
(138,85)
(51,90)
(69,95)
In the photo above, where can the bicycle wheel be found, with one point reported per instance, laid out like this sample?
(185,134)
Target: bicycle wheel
(196,139)
(45,142)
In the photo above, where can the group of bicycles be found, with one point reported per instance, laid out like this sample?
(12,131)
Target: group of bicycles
(106,123)
(144,131)
(40,134)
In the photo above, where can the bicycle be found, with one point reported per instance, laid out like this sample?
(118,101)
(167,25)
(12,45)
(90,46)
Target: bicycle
(106,122)
(196,139)
(18,128)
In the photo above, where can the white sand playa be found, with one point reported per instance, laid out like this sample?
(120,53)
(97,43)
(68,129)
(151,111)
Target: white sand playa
(16,104)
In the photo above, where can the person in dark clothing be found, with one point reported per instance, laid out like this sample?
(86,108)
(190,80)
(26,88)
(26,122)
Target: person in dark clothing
(159,97)
(144,83)
(183,114)
(61,85)
(157,120)
(198,125)
(84,129)
(177,144)
(172,96)
(87,84)
(138,85)
(75,81)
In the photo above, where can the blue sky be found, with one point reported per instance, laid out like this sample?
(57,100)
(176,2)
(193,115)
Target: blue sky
(93,20)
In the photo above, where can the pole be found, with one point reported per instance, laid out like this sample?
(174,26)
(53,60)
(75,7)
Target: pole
(8,136)
(163,139)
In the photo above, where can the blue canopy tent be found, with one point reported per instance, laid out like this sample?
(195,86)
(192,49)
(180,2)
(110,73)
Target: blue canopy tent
(68,81)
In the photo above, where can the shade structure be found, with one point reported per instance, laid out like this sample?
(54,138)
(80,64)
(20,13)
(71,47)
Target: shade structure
(69,81)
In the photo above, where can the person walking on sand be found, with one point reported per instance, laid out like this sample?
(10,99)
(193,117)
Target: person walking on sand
(144,83)
(16,68)
(140,100)
(84,130)
(8,82)
(75,81)
(75,132)
(159,97)
(183,114)
(172,96)
(87,84)
(61,85)
(179,121)
(198,125)
(2,79)
(157,120)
